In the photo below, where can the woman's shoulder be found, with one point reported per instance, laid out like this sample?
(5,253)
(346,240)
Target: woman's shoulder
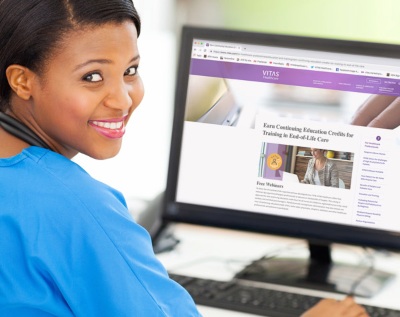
(57,194)
(64,181)
(330,163)
(62,170)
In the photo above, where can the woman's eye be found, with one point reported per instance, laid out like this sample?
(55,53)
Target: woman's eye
(131,71)
(94,77)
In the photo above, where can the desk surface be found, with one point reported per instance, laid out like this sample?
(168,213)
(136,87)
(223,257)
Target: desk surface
(218,254)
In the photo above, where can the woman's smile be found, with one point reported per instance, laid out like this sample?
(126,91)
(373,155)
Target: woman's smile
(110,128)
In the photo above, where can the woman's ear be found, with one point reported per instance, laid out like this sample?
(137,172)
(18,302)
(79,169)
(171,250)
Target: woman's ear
(20,80)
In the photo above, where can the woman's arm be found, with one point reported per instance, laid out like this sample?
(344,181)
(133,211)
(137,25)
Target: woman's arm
(334,175)
(308,175)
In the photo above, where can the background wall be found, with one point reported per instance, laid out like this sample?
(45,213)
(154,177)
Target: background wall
(140,170)
(367,20)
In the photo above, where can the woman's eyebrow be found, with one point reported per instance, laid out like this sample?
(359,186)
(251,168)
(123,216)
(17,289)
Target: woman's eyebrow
(135,58)
(102,61)
(92,61)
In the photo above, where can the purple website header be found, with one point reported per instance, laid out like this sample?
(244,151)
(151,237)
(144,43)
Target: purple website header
(296,77)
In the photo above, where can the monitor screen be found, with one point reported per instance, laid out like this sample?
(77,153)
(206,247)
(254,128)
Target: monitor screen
(263,138)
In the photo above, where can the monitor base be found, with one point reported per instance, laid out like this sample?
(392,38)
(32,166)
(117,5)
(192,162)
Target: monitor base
(305,273)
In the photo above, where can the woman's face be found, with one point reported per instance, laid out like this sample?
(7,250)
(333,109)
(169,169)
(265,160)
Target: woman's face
(87,92)
(317,153)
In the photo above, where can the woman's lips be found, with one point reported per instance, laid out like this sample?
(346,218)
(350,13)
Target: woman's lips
(111,128)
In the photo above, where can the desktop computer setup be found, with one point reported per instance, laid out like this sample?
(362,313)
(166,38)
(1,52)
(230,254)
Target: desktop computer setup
(248,108)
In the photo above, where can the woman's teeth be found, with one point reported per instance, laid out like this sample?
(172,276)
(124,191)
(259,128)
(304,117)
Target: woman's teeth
(109,125)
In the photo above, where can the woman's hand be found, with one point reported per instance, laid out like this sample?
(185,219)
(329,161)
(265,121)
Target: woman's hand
(379,111)
(333,308)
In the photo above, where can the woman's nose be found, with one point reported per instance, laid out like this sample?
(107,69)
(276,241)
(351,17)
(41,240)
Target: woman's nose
(119,97)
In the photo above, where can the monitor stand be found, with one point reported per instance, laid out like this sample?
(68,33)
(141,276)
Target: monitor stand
(318,272)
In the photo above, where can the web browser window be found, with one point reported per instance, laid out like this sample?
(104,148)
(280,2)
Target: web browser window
(284,106)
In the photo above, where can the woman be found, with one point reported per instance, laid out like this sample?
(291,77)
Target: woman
(69,247)
(68,71)
(320,170)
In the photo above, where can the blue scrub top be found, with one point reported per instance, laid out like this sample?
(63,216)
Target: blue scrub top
(69,246)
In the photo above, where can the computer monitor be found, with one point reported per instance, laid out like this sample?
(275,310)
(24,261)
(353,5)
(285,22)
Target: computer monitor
(248,168)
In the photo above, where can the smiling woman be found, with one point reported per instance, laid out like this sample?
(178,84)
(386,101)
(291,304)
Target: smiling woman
(69,84)
(69,81)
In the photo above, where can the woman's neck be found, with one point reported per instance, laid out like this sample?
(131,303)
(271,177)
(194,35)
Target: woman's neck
(320,163)
(10,145)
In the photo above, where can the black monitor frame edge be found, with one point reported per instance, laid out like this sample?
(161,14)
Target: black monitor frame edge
(324,233)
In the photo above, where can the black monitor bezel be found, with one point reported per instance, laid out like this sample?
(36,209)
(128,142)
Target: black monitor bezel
(320,232)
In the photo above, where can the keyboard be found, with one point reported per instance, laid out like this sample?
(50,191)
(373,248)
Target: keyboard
(238,296)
